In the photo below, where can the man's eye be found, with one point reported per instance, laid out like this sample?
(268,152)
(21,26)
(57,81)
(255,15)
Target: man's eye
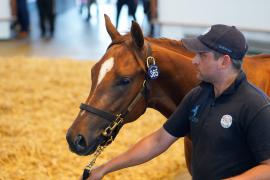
(202,55)
(123,81)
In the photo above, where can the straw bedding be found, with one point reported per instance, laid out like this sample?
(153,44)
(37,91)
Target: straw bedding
(39,101)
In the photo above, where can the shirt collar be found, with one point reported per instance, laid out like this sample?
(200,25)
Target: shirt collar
(231,89)
(234,86)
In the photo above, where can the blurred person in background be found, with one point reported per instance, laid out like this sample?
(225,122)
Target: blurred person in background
(13,8)
(132,7)
(22,18)
(46,9)
(87,5)
(150,10)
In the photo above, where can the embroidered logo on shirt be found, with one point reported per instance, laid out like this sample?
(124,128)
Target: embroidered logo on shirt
(194,113)
(226,121)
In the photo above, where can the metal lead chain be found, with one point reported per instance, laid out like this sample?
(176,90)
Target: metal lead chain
(97,153)
(108,131)
(100,148)
(88,168)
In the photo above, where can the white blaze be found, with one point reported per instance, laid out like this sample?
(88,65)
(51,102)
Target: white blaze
(105,68)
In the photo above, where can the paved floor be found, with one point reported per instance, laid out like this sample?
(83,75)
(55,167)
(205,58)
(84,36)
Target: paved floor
(74,37)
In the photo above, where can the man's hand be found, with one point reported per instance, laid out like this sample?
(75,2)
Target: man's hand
(97,173)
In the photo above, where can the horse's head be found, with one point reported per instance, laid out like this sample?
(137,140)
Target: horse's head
(118,91)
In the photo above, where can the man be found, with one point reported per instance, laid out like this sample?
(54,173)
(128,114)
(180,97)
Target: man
(132,7)
(227,118)
(150,10)
(22,18)
(46,9)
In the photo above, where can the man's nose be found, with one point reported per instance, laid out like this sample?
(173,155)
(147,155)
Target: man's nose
(196,60)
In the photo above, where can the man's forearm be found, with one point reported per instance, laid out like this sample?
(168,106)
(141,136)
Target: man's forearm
(146,149)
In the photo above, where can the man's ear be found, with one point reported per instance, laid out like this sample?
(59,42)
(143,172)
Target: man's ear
(226,61)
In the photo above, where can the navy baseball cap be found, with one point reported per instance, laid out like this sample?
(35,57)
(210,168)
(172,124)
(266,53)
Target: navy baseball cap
(221,38)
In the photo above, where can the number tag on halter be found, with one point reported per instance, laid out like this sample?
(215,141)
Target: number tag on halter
(153,71)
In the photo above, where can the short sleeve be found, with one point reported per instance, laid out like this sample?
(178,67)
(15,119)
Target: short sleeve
(178,124)
(258,134)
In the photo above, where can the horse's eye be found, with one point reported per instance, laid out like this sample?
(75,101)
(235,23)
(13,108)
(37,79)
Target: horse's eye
(123,81)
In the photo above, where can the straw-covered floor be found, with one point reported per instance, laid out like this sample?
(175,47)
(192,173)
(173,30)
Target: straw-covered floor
(39,101)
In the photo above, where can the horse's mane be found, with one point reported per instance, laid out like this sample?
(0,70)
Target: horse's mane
(260,56)
(177,46)
(174,45)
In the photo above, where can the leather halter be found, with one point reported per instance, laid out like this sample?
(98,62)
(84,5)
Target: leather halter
(116,121)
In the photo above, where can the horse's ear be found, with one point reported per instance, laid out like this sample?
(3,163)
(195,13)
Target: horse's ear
(110,28)
(137,35)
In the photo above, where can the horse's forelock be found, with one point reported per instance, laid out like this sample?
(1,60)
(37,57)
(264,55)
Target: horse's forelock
(126,41)
(119,40)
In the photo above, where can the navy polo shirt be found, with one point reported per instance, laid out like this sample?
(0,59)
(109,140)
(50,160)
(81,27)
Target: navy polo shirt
(230,134)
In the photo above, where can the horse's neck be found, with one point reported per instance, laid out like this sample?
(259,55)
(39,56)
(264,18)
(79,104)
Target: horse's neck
(177,77)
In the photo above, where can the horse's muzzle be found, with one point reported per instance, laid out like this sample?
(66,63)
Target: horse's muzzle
(78,145)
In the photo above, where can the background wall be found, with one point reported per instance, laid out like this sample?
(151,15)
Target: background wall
(247,14)
(182,18)
(5,19)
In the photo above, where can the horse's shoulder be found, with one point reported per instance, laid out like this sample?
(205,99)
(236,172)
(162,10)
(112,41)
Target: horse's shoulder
(260,56)
(257,68)
(260,61)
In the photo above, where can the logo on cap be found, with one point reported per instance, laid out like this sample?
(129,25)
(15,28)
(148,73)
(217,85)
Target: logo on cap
(224,48)
(226,121)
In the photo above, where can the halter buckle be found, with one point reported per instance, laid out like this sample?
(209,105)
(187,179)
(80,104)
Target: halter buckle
(150,59)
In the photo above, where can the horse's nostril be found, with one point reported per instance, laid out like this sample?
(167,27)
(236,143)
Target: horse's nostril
(80,143)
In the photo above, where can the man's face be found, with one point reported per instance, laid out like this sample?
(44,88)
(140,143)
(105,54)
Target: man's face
(207,66)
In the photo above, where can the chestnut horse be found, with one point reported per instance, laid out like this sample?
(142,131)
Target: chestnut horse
(122,86)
